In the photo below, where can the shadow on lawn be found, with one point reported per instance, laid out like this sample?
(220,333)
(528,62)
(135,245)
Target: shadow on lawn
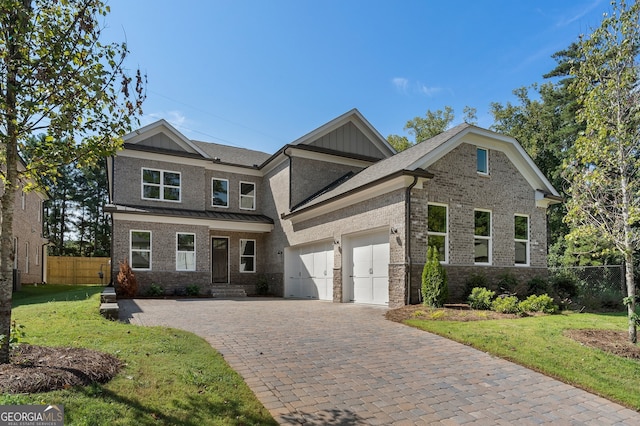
(33,295)
(196,410)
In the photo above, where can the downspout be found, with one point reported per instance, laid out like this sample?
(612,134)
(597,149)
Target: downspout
(407,239)
(290,172)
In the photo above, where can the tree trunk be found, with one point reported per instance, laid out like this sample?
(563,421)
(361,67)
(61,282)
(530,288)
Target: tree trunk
(631,294)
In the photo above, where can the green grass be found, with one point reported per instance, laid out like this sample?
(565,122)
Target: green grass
(170,377)
(538,343)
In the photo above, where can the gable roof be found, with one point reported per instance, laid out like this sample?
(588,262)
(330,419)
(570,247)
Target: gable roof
(162,135)
(415,161)
(371,140)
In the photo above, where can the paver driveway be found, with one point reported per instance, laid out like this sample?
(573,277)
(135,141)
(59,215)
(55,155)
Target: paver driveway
(322,363)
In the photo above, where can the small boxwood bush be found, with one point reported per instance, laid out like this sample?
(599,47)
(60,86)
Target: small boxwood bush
(505,305)
(481,298)
(475,280)
(155,290)
(193,290)
(542,303)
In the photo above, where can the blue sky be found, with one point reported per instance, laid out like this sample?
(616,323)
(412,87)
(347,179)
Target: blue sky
(259,74)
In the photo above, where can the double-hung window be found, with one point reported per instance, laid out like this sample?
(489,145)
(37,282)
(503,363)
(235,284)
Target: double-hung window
(437,230)
(482,237)
(482,161)
(140,249)
(185,252)
(160,185)
(247,196)
(219,192)
(521,239)
(247,255)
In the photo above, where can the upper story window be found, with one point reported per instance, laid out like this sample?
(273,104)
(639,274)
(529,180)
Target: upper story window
(247,195)
(140,249)
(437,230)
(247,255)
(219,192)
(482,161)
(23,200)
(160,185)
(482,237)
(185,252)
(521,239)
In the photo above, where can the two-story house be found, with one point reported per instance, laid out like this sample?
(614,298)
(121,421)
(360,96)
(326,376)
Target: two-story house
(29,244)
(335,215)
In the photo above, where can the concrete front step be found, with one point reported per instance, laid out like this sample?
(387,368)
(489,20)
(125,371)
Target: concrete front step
(108,295)
(228,292)
(109,310)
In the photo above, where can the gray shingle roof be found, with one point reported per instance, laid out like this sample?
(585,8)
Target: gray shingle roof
(232,155)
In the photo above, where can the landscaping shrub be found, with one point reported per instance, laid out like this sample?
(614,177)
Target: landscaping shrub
(481,298)
(538,303)
(507,283)
(127,282)
(155,290)
(537,285)
(193,290)
(475,280)
(505,305)
(564,285)
(434,280)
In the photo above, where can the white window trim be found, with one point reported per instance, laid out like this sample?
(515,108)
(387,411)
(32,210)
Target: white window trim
(478,148)
(527,241)
(255,195)
(141,250)
(37,255)
(445,234)
(215,205)
(480,237)
(255,249)
(161,185)
(183,251)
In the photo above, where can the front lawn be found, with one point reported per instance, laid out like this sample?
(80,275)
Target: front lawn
(541,343)
(169,376)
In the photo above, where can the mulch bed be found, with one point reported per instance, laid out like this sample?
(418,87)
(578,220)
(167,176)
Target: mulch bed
(41,369)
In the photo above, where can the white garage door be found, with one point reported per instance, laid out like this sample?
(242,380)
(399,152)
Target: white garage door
(370,273)
(309,272)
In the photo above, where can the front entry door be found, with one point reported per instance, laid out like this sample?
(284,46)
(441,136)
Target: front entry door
(220,260)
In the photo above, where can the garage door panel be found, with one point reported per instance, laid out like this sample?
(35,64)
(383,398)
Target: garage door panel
(311,272)
(370,268)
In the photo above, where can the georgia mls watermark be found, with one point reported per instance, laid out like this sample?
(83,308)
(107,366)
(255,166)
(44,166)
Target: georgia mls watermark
(31,415)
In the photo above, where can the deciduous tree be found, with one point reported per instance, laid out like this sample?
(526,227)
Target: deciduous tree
(432,124)
(57,78)
(603,173)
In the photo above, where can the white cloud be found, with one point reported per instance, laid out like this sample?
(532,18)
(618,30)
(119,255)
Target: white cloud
(578,14)
(428,91)
(405,86)
(176,118)
(400,83)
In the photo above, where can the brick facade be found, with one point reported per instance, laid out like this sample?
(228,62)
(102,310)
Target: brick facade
(294,175)
(30,245)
